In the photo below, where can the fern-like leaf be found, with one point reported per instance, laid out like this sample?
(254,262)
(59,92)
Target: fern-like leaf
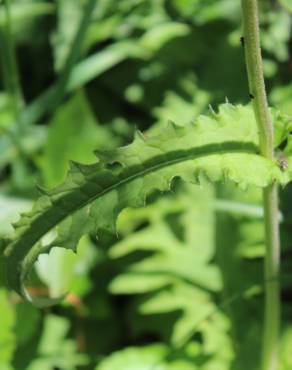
(218,147)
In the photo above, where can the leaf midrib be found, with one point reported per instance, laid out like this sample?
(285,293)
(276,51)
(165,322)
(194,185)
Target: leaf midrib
(21,247)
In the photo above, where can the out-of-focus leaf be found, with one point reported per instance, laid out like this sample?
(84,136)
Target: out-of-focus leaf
(173,255)
(52,96)
(152,357)
(173,278)
(270,68)
(61,268)
(82,73)
(55,350)
(31,140)
(9,210)
(156,37)
(194,306)
(286,342)
(69,16)
(202,13)
(27,322)
(144,358)
(281,97)
(7,335)
(22,13)
(240,242)
(56,270)
(73,134)
(6,114)
(182,108)
(161,357)
(277,35)
(287,4)
(98,63)
(102,30)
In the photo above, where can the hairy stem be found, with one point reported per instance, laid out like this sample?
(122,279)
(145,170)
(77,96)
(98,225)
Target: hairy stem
(272,260)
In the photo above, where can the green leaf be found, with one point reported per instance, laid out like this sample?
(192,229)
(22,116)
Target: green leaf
(182,108)
(158,36)
(246,235)
(285,354)
(60,269)
(135,359)
(55,350)
(281,97)
(51,97)
(151,357)
(202,13)
(73,134)
(162,357)
(7,337)
(218,147)
(287,4)
(9,210)
(69,17)
(185,254)
(21,13)
(276,38)
(102,61)
(28,320)
(178,276)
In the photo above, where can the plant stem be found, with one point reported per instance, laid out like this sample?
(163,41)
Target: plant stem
(270,194)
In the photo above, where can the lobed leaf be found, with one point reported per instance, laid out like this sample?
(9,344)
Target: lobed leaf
(218,147)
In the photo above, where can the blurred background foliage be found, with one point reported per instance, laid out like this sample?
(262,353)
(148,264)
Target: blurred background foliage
(180,286)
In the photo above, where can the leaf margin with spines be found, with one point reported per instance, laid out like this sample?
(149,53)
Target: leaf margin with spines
(86,184)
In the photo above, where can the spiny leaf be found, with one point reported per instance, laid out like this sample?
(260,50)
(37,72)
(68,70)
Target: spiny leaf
(217,147)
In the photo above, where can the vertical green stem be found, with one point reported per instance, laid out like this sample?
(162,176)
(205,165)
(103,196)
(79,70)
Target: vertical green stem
(270,195)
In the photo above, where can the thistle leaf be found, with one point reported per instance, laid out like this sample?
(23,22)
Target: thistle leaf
(218,147)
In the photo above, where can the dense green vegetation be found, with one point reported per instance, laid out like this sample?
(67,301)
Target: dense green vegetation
(174,283)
